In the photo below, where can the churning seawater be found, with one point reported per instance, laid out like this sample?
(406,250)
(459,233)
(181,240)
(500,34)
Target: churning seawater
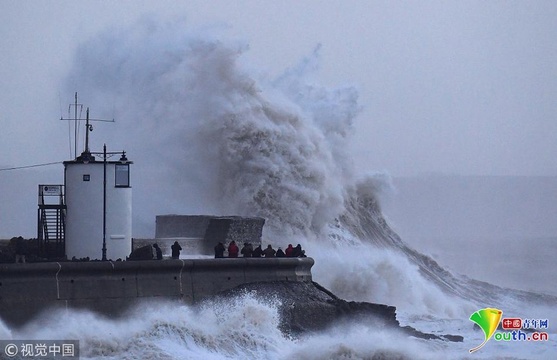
(211,135)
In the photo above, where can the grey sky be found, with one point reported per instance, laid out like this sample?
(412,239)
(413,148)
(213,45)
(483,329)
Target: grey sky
(446,87)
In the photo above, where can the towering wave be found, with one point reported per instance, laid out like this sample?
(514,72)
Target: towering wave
(208,136)
(272,148)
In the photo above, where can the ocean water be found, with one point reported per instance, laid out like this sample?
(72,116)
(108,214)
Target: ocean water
(210,134)
(248,328)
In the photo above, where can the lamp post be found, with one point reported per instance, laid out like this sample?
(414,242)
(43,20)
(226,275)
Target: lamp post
(105,156)
(104,203)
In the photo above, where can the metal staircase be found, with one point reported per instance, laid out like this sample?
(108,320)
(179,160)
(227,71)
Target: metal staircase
(51,228)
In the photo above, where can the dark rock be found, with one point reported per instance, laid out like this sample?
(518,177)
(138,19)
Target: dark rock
(142,253)
(309,307)
(453,338)
(416,333)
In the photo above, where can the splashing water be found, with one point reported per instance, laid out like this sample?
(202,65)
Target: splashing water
(275,149)
(243,327)
(209,136)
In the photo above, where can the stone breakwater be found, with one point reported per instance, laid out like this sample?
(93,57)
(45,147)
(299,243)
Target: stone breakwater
(111,287)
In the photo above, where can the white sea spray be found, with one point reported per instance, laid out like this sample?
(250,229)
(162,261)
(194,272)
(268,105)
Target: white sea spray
(208,135)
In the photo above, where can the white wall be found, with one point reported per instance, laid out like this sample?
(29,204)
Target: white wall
(84,220)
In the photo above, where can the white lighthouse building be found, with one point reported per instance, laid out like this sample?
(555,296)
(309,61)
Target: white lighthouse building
(99,207)
(90,216)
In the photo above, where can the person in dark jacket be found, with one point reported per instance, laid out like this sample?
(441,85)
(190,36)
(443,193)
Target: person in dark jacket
(233,250)
(297,251)
(219,250)
(247,250)
(158,250)
(280,253)
(20,250)
(269,251)
(176,248)
(289,250)
(257,252)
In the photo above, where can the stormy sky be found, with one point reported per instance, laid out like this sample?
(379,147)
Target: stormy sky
(446,87)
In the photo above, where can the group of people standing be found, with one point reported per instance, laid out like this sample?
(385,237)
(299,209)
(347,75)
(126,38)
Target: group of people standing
(234,251)
(249,251)
(176,248)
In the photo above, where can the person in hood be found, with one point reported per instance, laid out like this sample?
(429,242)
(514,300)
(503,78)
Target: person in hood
(158,250)
(247,250)
(289,250)
(219,250)
(176,248)
(297,251)
(257,252)
(269,251)
(20,250)
(233,250)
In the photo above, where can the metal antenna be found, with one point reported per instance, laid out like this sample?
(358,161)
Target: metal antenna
(88,127)
(75,119)
(75,125)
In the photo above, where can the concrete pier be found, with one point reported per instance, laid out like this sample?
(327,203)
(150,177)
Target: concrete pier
(111,287)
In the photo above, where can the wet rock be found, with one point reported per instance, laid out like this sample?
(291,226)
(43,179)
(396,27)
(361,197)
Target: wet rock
(142,253)
(309,307)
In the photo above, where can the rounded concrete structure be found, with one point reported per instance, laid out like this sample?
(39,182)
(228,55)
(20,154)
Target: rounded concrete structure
(112,287)
(86,211)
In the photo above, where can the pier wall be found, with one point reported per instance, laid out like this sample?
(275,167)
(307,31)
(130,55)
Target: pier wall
(111,287)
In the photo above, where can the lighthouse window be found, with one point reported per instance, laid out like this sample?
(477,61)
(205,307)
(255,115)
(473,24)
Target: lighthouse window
(122,175)
(86,177)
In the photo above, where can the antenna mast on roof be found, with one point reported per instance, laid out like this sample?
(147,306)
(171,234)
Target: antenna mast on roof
(88,127)
(75,105)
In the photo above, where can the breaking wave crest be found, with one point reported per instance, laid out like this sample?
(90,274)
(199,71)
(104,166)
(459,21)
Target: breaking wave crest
(274,149)
(240,328)
(209,134)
